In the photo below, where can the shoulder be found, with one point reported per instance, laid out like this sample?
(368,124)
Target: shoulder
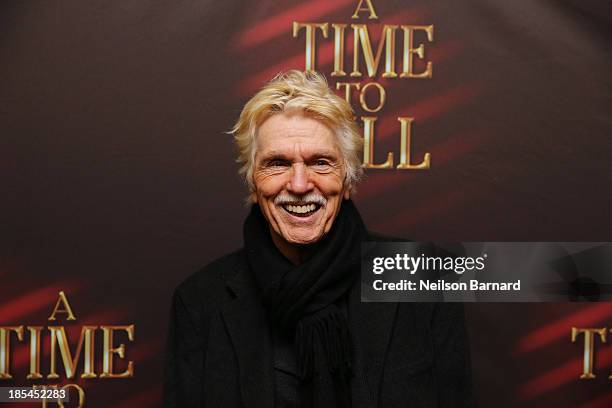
(206,287)
(219,270)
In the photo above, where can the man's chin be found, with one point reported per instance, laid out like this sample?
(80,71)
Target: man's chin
(302,237)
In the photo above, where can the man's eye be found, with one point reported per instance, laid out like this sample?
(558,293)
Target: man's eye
(277,163)
(321,163)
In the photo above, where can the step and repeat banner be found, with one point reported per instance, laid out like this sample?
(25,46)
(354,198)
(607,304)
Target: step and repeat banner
(486,124)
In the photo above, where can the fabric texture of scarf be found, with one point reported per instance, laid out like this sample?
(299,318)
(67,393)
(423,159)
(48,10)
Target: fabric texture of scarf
(303,300)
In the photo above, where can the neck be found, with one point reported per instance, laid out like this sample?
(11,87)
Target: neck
(297,254)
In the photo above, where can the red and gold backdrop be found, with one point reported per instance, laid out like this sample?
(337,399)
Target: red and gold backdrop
(118,180)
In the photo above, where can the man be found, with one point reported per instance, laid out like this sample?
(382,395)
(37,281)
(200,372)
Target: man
(279,323)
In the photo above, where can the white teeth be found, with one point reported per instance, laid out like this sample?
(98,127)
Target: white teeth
(301,209)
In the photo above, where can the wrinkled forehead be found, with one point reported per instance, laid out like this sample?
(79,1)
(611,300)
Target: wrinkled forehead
(294,133)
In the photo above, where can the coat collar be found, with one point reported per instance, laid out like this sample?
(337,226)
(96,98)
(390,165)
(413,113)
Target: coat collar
(247,325)
(371,324)
(245,318)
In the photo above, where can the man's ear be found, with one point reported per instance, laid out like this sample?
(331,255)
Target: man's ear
(253,197)
(347,193)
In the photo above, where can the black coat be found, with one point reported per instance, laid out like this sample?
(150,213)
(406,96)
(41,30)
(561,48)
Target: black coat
(220,351)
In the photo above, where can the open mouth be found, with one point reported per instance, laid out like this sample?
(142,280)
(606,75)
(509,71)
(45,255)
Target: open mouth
(301,210)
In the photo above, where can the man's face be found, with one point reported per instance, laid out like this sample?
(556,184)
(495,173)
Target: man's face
(298,176)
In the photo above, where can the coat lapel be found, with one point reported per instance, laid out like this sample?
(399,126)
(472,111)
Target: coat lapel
(372,324)
(248,329)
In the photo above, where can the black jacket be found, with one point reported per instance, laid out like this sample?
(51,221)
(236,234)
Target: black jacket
(220,353)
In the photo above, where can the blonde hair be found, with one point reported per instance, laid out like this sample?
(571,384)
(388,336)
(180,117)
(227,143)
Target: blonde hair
(308,92)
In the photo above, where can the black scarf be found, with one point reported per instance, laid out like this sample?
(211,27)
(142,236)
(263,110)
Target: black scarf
(302,299)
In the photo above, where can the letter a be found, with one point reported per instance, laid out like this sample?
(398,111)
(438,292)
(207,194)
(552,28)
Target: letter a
(369,7)
(67,309)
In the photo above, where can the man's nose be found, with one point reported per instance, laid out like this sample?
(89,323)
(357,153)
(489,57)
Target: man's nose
(299,182)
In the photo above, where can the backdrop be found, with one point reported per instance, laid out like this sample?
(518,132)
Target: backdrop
(118,179)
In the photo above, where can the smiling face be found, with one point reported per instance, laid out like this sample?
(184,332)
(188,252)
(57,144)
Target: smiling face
(298,177)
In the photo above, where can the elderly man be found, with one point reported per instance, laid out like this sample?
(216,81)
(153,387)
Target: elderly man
(279,323)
